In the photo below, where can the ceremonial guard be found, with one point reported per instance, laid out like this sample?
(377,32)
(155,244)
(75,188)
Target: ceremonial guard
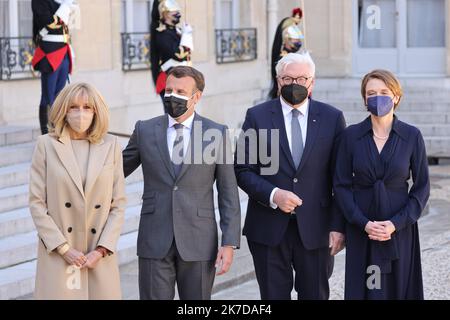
(170,46)
(53,56)
(288,38)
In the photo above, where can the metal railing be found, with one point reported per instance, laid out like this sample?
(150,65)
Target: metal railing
(135,51)
(16,54)
(120,134)
(236,45)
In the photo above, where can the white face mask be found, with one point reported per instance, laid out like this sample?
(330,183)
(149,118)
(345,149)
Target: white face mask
(80,121)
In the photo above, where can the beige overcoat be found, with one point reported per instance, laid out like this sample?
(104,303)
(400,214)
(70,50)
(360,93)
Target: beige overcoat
(84,217)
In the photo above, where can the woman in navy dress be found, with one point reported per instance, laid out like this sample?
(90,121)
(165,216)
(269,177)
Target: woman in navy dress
(375,160)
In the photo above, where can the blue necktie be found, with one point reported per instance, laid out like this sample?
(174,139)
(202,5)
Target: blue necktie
(296,138)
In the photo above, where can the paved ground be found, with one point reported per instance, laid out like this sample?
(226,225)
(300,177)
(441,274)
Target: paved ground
(434,228)
(435,244)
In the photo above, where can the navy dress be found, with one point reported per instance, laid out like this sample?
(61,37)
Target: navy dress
(373,186)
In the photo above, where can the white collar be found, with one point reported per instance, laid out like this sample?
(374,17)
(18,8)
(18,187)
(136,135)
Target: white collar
(287,108)
(186,123)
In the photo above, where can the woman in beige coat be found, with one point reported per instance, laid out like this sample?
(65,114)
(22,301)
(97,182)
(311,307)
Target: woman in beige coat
(77,200)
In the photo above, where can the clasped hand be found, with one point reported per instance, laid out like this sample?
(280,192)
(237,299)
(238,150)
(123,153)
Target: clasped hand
(79,259)
(380,230)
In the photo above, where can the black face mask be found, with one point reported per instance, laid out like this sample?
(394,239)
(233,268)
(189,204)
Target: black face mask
(176,19)
(175,105)
(295,46)
(294,93)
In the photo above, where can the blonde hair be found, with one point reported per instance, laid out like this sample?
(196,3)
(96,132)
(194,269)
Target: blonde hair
(389,79)
(66,98)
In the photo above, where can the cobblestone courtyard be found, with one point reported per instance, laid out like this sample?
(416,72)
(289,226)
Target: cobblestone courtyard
(434,228)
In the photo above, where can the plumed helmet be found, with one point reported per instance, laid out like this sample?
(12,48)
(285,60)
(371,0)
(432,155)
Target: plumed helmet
(168,5)
(291,30)
(297,13)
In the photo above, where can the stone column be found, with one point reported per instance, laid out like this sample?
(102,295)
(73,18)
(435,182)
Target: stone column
(272,22)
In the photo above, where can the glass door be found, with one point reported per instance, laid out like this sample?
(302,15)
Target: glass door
(424,49)
(404,36)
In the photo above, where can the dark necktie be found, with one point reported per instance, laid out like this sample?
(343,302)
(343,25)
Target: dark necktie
(177,151)
(296,138)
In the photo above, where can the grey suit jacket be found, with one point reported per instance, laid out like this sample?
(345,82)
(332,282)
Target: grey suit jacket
(183,207)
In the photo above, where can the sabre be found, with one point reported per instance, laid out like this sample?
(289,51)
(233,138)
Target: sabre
(302,4)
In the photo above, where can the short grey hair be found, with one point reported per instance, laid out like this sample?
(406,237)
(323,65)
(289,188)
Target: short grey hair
(300,58)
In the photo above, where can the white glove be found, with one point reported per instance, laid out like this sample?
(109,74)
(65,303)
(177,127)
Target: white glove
(67,9)
(187,28)
(187,39)
(68,2)
(63,12)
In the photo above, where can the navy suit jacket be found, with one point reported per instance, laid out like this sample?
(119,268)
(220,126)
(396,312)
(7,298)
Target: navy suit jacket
(311,181)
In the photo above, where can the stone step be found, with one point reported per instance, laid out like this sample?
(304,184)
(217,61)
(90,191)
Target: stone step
(437,146)
(405,106)
(353,93)
(19,221)
(17,197)
(18,147)
(423,84)
(435,130)
(14,175)
(15,222)
(20,248)
(413,118)
(13,198)
(14,154)
(19,174)
(427,129)
(18,280)
(12,135)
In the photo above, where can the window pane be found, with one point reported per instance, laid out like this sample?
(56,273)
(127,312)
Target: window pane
(426,23)
(141,16)
(377,23)
(25,18)
(123,16)
(226,12)
(4,18)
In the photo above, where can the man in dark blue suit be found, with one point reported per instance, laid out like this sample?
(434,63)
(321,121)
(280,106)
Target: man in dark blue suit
(291,223)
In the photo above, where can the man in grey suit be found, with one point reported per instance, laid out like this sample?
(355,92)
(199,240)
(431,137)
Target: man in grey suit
(178,238)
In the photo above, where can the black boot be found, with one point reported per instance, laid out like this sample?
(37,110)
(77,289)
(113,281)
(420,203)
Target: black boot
(43,119)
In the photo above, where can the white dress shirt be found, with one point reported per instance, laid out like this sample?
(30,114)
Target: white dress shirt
(172,133)
(302,119)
